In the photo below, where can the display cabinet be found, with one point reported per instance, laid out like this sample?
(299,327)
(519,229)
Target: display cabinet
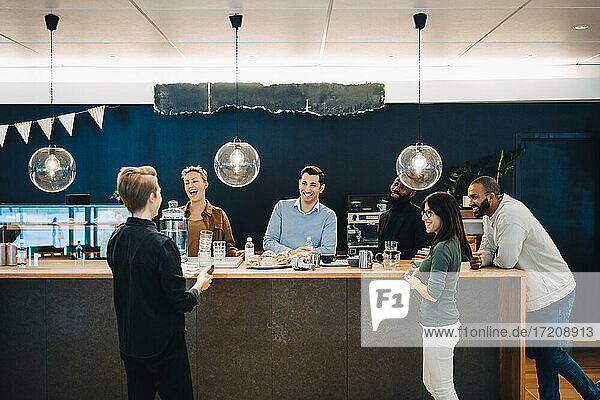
(54,229)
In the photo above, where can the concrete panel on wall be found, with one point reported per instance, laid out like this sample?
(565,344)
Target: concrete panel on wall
(309,339)
(191,333)
(233,341)
(398,369)
(22,339)
(83,350)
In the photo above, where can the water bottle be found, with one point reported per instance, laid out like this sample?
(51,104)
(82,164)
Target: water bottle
(21,254)
(314,257)
(78,251)
(309,243)
(248,249)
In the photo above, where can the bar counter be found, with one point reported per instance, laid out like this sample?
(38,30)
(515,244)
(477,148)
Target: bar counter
(255,334)
(95,269)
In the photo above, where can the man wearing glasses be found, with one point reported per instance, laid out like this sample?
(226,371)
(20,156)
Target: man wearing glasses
(514,238)
(293,220)
(402,223)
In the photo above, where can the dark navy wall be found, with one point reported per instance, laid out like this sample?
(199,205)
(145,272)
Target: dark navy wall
(357,153)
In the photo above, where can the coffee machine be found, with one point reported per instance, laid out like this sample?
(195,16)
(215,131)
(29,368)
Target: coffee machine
(363,221)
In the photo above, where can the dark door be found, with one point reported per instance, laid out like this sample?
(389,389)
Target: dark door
(558,180)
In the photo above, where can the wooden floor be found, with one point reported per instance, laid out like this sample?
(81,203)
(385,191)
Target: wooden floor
(588,359)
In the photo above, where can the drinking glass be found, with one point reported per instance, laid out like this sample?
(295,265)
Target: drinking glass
(219,250)
(204,246)
(391,245)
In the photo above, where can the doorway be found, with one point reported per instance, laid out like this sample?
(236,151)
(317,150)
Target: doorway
(558,179)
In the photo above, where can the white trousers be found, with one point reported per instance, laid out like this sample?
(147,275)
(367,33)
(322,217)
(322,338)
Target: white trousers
(438,362)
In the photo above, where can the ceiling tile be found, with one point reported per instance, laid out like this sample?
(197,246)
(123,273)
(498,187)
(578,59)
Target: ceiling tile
(28,26)
(126,54)
(549,25)
(529,54)
(56,6)
(416,5)
(398,26)
(257,26)
(564,3)
(232,5)
(390,54)
(13,54)
(251,55)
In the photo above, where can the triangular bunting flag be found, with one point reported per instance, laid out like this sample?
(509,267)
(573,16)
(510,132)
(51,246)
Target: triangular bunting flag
(67,121)
(23,128)
(3,129)
(98,114)
(46,125)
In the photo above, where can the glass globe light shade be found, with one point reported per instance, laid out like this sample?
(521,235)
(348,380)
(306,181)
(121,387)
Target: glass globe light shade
(419,166)
(52,169)
(237,163)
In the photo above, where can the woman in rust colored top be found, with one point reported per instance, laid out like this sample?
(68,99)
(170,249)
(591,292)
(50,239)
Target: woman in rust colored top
(201,215)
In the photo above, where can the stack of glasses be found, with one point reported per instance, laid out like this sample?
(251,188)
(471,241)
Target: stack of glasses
(219,250)
(204,246)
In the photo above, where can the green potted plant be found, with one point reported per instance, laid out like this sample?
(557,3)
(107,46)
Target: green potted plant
(497,167)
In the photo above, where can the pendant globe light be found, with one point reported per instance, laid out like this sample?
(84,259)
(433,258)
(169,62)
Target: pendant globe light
(236,163)
(52,169)
(419,166)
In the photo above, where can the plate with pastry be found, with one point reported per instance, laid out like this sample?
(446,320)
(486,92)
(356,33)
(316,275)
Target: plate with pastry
(268,260)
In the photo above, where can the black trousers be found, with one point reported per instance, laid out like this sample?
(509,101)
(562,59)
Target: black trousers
(168,373)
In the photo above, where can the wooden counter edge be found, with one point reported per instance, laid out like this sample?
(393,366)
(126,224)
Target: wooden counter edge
(99,270)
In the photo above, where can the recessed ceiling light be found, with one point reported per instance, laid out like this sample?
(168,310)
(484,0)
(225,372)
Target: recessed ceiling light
(112,56)
(580,27)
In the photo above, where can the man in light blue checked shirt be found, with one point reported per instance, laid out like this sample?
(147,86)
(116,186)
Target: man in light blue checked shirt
(293,220)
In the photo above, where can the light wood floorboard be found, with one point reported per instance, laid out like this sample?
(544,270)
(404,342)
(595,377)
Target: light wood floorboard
(588,359)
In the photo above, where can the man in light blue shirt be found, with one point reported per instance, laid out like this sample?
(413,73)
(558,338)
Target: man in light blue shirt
(293,220)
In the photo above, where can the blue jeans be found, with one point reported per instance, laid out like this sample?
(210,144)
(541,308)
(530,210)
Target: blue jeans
(552,361)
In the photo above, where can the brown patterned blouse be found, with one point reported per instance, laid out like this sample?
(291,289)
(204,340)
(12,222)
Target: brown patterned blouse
(213,219)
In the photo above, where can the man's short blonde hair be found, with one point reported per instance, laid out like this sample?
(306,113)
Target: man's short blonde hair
(197,169)
(134,185)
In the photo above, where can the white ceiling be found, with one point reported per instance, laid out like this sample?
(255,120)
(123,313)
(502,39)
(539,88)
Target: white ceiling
(281,41)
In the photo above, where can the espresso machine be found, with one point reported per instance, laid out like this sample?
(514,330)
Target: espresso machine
(174,225)
(363,221)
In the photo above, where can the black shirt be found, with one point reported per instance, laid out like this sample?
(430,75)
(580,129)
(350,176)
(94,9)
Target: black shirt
(403,224)
(149,288)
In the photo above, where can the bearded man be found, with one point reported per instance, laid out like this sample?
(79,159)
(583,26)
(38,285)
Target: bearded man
(514,238)
(402,223)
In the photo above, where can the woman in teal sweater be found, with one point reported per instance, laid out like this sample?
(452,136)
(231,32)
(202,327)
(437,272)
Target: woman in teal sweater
(435,281)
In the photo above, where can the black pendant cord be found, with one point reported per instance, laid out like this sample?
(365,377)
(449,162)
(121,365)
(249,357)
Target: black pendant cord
(51,68)
(51,84)
(237,92)
(419,106)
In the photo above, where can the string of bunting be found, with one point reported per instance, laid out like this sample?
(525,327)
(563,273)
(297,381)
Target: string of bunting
(45,124)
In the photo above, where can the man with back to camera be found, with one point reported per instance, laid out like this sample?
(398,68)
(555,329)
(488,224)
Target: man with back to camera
(514,238)
(293,220)
(149,294)
(402,223)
